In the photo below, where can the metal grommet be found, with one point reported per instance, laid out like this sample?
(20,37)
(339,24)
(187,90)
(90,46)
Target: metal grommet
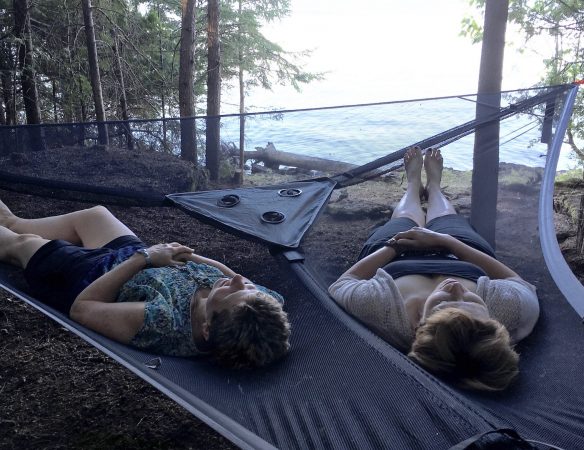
(153,363)
(293,192)
(273,217)
(228,201)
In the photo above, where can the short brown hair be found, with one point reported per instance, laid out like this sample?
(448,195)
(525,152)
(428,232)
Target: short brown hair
(473,353)
(253,334)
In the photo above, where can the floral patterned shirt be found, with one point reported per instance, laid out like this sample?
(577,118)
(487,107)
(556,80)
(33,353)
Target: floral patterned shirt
(167,294)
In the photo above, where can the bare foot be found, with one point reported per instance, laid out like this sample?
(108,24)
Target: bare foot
(433,163)
(413,164)
(6,216)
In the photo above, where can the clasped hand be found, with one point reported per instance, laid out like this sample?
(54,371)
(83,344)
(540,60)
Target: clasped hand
(173,254)
(420,238)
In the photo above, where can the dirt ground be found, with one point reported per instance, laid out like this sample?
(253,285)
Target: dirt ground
(58,392)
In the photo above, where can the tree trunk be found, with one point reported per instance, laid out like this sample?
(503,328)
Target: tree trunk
(486,150)
(188,147)
(69,84)
(213,136)
(27,75)
(94,71)
(25,59)
(241,125)
(241,96)
(2,110)
(82,106)
(123,100)
(6,80)
(55,114)
(6,70)
(83,113)
(273,158)
(162,88)
(580,227)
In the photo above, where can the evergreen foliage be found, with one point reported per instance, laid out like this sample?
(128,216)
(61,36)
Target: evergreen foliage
(147,35)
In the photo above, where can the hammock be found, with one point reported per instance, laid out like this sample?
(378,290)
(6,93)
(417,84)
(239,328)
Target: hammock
(342,386)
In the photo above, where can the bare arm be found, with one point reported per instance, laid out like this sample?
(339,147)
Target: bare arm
(418,238)
(211,262)
(493,268)
(95,306)
(365,268)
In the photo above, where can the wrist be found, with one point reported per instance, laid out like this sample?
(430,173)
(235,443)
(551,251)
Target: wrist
(393,244)
(145,255)
(448,242)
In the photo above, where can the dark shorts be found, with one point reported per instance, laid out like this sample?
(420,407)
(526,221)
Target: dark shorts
(452,224)
(59,270)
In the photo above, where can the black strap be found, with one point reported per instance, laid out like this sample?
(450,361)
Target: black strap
(501,438)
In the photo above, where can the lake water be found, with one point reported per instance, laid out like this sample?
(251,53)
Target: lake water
(362,133)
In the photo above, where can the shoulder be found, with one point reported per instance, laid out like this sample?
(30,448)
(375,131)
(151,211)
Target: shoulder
(349,287)
(279,297)
(166,330)
(512,301)
(378,303)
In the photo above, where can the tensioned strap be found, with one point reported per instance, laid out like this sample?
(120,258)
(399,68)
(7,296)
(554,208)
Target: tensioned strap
(453,134)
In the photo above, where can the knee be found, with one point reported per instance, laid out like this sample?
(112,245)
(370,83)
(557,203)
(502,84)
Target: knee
(99,210)
(25,237)
(19,248)
(9,221)
(96,212)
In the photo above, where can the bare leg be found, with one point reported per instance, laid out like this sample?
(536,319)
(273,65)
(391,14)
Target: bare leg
(409,206)
(17,249)
(91,228)
(438,204)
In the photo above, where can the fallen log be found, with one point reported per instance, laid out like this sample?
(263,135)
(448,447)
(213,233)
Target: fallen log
(273,158)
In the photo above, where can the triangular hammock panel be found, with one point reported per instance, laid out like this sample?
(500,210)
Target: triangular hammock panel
(342,386)
(275,215)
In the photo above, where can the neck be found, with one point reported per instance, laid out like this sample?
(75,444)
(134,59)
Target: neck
(198,317)
(414,306)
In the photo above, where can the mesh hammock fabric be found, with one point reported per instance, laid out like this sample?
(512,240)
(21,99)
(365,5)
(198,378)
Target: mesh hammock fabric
(342,386)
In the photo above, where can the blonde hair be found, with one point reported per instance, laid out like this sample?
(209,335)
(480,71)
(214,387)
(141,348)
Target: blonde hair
(253,334)
(473,353)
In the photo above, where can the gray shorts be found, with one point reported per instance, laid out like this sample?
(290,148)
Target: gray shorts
(453,224)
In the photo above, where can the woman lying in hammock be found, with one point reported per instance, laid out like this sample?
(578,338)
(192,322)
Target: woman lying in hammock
(165,299)
(431,286)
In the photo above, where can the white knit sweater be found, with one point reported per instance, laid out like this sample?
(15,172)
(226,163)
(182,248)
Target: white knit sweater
(378,303)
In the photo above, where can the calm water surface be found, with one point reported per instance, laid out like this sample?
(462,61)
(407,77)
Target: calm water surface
(361,134)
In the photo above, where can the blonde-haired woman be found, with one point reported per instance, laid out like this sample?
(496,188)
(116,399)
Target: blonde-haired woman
(431,286)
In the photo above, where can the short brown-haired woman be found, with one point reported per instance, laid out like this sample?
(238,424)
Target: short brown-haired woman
(164,299)
(430,285)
